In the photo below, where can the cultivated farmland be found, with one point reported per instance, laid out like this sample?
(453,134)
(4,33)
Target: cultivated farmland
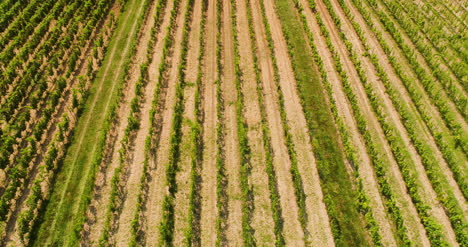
(233,123)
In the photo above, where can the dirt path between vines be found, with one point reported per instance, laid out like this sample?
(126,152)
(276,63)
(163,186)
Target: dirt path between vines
(262,216)
(292,229)
(209,212)
(181,203)
(231,148)
(157,185)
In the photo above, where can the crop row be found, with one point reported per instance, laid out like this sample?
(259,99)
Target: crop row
(453,23)
(40,190)
(10,8)
(36,75)
(428,160)
(432,88)
(36,125)
(270,168)
(28,19)
(437,38)
(221,178)
(166,228)
(192,234)
(244,149)
(395,141)
(141,197)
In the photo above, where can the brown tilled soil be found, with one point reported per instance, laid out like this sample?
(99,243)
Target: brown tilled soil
(292,228)
(209,171)
(231,148)
(262,218)
(181,202)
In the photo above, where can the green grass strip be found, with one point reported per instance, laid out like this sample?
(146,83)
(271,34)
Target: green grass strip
(340,194)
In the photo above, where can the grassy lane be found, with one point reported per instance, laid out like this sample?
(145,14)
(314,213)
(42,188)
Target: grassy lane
(74,182)
(340,196)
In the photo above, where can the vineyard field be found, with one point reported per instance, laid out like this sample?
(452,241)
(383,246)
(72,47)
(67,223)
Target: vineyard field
(233,123)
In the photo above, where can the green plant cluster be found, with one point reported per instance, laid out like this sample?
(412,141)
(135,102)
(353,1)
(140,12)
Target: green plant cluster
(443,140)
(19,171)
(424,46)
(444,192)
